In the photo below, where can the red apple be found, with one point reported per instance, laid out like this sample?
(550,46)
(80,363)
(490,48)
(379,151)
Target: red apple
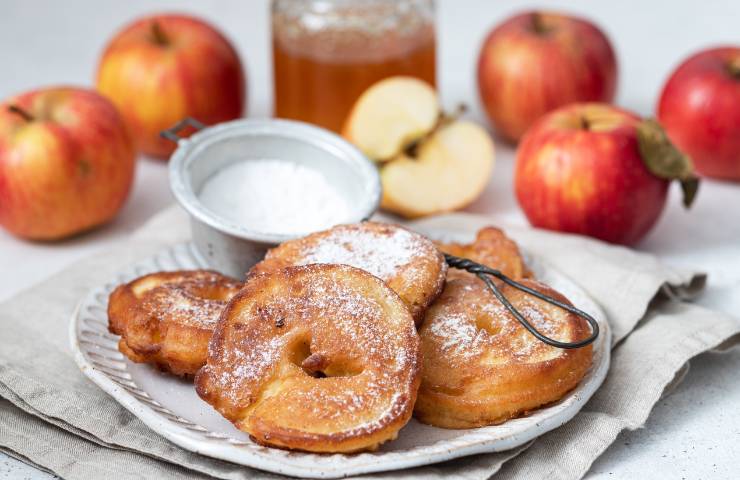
(163,68)
(66,162)
(596,170)
(700,110)
(535,62)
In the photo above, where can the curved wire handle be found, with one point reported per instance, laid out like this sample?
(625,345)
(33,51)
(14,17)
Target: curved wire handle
(483,272)
(171,133)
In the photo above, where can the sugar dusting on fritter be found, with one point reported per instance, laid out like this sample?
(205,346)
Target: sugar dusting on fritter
(459,335)
(362,331)
(381,253)
(192,299)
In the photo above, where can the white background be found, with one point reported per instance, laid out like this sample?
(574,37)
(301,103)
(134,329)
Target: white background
(693,433)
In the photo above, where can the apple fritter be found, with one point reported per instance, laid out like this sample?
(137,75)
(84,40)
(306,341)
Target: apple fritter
(481,367)
(491,248)
(167,318)
(320,358)
(408,262)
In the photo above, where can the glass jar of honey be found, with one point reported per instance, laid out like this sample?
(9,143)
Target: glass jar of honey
(327,52)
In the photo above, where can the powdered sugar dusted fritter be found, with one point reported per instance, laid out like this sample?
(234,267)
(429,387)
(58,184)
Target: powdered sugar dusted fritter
(167,318)
(408,262)
(322,358)
(481,367)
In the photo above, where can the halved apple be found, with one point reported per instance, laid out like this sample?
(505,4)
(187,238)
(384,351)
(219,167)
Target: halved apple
(451,168)
(390,115)
(429,162)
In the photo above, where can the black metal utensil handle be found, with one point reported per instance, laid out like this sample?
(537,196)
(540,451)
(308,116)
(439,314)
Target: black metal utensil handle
(172,132)
(484,273)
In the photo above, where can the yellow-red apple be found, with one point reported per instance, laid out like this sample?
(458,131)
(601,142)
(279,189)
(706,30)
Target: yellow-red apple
(700,110)
(596,170)
(537,61)
(163,68)
(66,162)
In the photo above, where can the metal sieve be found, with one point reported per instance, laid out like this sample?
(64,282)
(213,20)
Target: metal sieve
(232,248)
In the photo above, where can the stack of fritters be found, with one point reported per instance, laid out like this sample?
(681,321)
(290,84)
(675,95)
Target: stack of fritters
(319,349)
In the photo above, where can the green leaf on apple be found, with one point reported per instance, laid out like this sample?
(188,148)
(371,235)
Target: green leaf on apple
(666,161)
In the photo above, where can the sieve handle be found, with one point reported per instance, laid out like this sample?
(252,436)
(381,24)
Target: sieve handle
(172,132)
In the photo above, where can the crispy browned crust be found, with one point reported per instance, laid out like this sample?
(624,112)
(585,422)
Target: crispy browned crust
(418,277)
(166,319)
(491,248)
(481,367)
(321,358)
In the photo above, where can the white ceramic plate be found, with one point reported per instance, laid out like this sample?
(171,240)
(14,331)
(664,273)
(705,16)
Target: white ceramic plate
(170,406)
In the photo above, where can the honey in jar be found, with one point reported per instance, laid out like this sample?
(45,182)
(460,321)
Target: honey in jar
(327,52)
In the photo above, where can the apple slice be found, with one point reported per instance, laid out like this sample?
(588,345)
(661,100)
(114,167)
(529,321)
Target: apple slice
(451,168)
(390,115)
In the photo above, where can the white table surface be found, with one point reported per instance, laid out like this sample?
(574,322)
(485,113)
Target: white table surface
(694,432)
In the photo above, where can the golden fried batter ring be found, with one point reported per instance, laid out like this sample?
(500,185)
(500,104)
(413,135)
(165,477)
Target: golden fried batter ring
(321,358)
(491,248)
(408,262)
(481,367)
(167,318)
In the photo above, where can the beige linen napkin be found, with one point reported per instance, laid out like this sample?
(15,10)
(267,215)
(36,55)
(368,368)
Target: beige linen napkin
(53,417)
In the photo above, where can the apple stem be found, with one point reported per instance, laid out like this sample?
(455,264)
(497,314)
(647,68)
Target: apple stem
(539,25)
(158,34)
(22,113)
(585,124)
(733,67)
(459,111)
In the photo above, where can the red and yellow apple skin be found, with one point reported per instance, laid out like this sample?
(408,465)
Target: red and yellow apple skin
(579,170)
(535,62)
(700,110)
(163,68)
(66,162)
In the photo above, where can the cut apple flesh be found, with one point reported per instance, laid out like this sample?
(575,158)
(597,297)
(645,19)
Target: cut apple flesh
(451,169)
(390,115)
